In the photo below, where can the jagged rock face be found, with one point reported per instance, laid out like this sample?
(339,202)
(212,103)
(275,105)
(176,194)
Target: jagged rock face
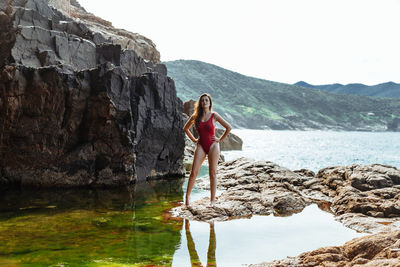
(75,111)
(44,36)
(143,46)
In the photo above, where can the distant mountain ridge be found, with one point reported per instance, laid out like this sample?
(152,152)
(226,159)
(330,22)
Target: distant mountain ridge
(248,102)
(388,89)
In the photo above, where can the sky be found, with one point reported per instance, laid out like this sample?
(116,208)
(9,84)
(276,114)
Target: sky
(317,41)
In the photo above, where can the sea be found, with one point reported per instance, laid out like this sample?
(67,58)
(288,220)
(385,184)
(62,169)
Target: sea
(314,150)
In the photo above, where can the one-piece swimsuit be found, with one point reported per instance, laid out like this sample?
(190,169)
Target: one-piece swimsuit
(206,130)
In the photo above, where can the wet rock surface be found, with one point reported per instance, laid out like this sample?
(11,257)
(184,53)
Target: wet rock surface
(78,108)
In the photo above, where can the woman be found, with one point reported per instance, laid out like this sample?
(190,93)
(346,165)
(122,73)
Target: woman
(205,120)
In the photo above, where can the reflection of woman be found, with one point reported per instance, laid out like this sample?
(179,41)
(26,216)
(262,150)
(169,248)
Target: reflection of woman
(205,120)
(212,245)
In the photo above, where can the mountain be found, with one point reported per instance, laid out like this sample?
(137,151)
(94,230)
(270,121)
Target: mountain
(389,89)
(249,102)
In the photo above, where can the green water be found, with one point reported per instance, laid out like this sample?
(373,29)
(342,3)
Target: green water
(125,227)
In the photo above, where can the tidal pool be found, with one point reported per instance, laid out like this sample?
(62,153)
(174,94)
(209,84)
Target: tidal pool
(130,227)
(89,227)
(257,239)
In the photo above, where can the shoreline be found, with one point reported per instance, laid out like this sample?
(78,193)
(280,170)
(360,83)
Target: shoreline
(362,198)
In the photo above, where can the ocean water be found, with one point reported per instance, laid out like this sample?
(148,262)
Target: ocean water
(315,150)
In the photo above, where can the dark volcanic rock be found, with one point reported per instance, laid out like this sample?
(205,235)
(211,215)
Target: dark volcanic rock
(158,126)
(76,109)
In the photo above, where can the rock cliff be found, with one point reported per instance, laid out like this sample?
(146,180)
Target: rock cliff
(82,103)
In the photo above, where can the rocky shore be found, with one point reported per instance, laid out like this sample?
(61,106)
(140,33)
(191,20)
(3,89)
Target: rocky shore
(363,198)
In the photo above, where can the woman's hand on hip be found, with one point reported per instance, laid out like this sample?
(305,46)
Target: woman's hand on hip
(215,139)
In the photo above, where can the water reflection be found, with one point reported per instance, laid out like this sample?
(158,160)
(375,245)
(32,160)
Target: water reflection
(259,238)
(212,245)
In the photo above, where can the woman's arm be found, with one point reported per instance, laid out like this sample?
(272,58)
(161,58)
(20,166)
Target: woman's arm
(186,128)
(224,123)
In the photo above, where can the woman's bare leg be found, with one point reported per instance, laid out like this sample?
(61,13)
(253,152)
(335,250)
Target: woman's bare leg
(198,159)
(213,156)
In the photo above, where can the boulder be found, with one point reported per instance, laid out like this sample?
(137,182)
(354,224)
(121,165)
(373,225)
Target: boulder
(231,142)
(188,107)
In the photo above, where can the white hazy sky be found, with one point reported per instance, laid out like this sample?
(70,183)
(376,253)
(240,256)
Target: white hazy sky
(317,41)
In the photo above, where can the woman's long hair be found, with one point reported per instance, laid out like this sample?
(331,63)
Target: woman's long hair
(198,109)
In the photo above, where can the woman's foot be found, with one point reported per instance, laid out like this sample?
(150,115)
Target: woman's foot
(211,204)
(187,203)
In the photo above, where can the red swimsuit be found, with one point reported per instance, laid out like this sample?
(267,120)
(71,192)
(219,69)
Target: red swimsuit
(206,130)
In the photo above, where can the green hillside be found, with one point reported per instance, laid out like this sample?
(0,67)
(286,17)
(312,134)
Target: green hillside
(255,103)
(389,89)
